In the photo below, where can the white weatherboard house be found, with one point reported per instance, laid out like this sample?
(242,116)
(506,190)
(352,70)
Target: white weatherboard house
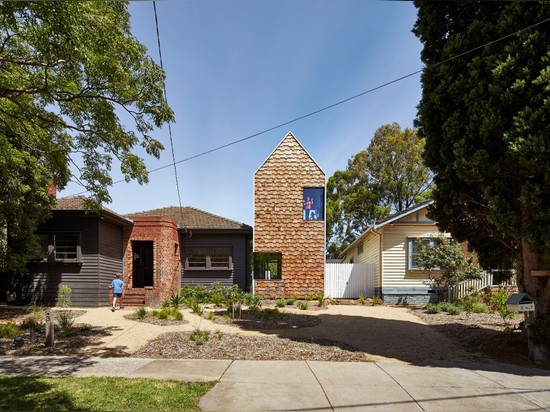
(389,245)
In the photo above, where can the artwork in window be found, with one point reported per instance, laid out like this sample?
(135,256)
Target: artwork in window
(267,266)
(314,203)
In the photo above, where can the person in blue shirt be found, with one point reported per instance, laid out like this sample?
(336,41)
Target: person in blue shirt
(117,284)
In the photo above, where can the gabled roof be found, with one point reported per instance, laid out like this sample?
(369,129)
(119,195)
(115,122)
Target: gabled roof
(76,203)
(192,218)
(287,136)
(388,220)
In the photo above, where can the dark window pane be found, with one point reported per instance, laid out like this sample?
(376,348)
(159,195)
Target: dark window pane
(267,266)
(66,246)
(197,257)
(219,257)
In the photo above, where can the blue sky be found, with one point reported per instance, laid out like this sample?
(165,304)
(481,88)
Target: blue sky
(235,68)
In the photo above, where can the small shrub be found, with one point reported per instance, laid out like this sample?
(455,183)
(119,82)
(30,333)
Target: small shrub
(376,301)
(271,313)
(280,303)
(176,300)
(8,330)
(253,302)
(218,334)
(176,314)
(217,299)
(200,337)
(480,307)
(290,301)
(453,310)
(361,300)
(165,304)
(210,315)
(302,304)
(321,299)
(155,313)
(432,308)
(65,320)
(499,302)
(63,296)
(164,313)
(141,313)
(197,308)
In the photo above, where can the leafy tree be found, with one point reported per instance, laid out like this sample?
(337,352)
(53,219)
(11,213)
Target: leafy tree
(485,117)
(387,177)
(445,262)
(67,70)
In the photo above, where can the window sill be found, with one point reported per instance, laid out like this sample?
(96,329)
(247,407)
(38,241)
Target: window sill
(208,269)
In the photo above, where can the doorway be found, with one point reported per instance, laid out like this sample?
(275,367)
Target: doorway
(142,264)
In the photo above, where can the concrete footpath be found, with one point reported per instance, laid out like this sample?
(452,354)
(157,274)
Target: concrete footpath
(322,386)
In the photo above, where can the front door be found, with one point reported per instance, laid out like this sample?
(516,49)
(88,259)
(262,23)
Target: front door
(142,264)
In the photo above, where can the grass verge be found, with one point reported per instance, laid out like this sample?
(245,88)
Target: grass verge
(42,393)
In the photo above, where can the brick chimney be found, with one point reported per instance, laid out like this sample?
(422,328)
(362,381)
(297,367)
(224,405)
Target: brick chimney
(52,190)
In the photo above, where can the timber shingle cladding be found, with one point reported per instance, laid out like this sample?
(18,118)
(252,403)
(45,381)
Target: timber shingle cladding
(279,225)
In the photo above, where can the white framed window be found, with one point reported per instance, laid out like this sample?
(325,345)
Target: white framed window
(412,250)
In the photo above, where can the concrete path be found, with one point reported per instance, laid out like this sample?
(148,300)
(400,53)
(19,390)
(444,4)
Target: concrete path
(322,386)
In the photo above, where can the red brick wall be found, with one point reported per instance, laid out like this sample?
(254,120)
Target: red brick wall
(163,232)
(278,219)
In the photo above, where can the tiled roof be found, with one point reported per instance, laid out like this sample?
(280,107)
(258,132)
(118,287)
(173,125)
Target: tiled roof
(77,203)
(192,218)
(70,203)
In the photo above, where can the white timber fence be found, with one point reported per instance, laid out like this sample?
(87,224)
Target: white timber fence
(467,287)
(349,280)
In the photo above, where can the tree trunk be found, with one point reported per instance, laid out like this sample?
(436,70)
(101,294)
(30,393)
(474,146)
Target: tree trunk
(538,287)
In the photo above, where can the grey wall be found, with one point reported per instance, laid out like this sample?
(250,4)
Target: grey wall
(102,253)
(240,271)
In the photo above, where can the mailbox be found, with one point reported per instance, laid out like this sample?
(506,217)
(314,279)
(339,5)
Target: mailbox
(520,302)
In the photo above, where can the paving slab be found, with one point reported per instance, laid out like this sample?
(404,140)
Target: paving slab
(247,396)
(541,398)
(285,372)
(43,365)
(352,398)
(435,376)
(351,373)
(447,398)
(201,370)
(122,367)
(512,376)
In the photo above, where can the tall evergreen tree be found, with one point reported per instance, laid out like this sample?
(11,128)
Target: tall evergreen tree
(485,117)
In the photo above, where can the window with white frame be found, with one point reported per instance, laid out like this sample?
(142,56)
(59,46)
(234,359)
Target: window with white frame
(209,258)
(412,250)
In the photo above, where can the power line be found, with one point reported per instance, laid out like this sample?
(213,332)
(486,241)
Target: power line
(331,106)
(169,123)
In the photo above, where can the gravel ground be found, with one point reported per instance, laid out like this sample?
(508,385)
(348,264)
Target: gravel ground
(288,337)
(234,346)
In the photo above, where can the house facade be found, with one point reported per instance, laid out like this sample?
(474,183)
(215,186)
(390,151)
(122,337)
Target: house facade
(390,246)
(289,223)
(156,251)
(81,250)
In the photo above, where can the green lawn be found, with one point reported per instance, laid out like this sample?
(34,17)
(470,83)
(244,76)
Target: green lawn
(24,393)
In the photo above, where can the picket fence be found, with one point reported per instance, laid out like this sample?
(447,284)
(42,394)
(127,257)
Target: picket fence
(349,280)
(464,288)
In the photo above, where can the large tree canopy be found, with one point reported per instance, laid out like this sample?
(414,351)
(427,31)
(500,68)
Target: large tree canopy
(387,177)
(486,120)
(66,69)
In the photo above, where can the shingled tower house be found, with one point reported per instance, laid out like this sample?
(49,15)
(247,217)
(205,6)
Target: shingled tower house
(289,223)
